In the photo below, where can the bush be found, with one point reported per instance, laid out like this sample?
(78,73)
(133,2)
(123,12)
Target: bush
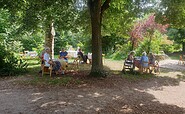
(11,65)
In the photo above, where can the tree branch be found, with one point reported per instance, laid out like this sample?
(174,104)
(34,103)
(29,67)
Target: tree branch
(105,6)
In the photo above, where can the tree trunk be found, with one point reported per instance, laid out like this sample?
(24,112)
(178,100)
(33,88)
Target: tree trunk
(96,12)
(49,39)
(97,65)
(149,44)
(183,47)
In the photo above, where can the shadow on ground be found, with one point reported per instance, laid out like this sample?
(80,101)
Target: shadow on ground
(118,93)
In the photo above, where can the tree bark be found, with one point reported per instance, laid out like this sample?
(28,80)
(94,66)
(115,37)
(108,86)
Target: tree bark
(49,39)
(183,47)
(96,11)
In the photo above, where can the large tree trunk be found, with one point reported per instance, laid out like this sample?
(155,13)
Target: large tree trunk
(49,39)
(96,12)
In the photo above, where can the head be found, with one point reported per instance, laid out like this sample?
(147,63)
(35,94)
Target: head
(144,53)
(47,49)
(150,54)
(62,49)
(132,52)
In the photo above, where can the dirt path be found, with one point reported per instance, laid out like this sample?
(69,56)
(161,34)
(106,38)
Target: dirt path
(159,94)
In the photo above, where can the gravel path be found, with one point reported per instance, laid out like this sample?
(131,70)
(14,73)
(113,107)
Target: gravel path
(171,64)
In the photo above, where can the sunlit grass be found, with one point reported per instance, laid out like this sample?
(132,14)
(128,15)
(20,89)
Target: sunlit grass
(174,57)
(136,75)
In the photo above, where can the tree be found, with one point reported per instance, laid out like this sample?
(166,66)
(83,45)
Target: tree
(178,35)
(173,12)
(96,11)
(146,28)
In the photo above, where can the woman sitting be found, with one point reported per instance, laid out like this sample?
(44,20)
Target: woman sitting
(151,59)
(56,67)
(144,62)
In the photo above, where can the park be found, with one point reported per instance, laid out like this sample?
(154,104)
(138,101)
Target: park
(92,57)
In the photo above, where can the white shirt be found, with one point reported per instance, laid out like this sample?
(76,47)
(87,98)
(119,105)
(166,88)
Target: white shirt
(46,58)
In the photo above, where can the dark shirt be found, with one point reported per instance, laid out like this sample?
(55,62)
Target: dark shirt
(80,54)
(63,54)
(56,65)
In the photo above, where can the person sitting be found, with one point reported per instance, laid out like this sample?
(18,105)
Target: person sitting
(144,62)
(63,55)
(81,55)
(46,57)
(131,56)
(56,66)
(41,56)
(151,59)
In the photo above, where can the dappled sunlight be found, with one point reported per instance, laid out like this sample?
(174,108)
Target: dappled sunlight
(174,74)
(172,95)
(83,85)
(52,103)
(116,97)
(96,94)
(94,108)
(36,99)
(37,94)
(80,96)
(110,65)
(8,93)
(126,109)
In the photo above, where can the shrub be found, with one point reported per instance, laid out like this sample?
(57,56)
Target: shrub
(11,65)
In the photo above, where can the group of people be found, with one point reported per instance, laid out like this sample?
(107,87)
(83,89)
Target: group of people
(145,61)
(58,66)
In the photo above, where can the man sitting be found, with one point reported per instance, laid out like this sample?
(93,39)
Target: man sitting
(80,55)
(63,55)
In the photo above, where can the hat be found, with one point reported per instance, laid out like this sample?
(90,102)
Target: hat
(47,48)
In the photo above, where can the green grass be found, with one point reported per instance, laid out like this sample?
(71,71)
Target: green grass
(48,81)
(137,76)
(174,57)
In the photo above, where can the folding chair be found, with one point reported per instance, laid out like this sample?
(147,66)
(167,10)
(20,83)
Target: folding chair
(128,65)
(47,70)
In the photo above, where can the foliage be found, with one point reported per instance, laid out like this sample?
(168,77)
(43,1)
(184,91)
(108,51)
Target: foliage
(171,48)
(173,12)
(32,40)
(145,29)
(11,65)
(154,44)
(107,43)
(178,36)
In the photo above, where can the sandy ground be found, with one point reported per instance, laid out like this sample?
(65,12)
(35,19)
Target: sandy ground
(161,94)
